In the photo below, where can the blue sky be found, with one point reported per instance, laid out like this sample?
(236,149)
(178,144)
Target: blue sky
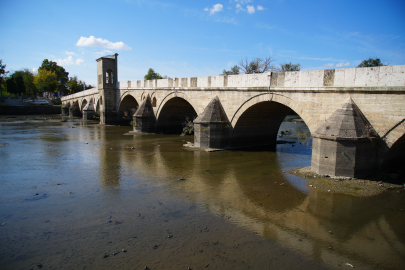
(198,38)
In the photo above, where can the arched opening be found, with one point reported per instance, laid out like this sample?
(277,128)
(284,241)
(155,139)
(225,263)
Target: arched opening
(394,158)
(173,115)
(109,77)
(259,124)
(154,102)
(84,103)
(127,109)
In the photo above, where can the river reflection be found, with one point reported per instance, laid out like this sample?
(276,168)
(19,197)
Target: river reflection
(247,188)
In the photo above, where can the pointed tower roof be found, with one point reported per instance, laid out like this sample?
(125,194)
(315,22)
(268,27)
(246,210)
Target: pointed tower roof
(146,108)
(346,122)
(213,113)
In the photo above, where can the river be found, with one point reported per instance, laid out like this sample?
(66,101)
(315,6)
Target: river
(78,195)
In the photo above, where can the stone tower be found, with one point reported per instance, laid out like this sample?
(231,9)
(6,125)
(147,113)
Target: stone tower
(107,78)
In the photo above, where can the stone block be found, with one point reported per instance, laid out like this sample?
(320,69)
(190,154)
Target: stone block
(329,77)
(398,76)
(350,77)
(291,79)
(385,76)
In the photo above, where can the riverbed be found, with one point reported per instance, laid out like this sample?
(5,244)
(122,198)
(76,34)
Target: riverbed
(79,195)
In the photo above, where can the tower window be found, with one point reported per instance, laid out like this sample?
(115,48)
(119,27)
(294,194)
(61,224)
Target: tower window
(109,79)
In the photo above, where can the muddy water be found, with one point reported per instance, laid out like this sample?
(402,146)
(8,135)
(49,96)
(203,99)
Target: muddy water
(74,195)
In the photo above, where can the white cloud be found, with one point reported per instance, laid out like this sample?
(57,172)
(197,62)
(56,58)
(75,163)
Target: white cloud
(215,8)
(103,43)
(34,70)
(343,64)
(250,9)
(69,53)
(69,61)
(239,8)
(260,8)
(79,62)
(329,65)
(104,52)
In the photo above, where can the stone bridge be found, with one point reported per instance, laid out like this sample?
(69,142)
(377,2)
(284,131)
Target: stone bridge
(356,116)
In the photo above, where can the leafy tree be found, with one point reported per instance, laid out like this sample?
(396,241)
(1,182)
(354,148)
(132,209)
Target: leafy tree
(234,71)
(3,74)
(290,67)
(15,84)
(257,65)
(46,81)
(62,77)
(75,85)
(371,62)
(152,75)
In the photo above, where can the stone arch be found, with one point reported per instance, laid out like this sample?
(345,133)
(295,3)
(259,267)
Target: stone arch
(126,108)
(295,106)
(173,95)
(83,103)
(97,104)
(258,120)
(392,147)
(172,112)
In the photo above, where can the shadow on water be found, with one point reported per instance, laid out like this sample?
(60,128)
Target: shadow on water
(105,191)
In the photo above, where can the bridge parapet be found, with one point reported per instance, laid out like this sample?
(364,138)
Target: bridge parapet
(348,77)
(84,93)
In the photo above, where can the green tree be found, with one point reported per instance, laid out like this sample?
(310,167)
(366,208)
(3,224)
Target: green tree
(46,81)
(152,75)
(371,62)
(257,65)
(290,67)
(62,76)
(15,84)
(3,74)
(30,87)
(234,71)
(75,85)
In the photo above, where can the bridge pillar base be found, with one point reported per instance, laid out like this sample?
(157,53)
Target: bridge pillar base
(65,110)
(344,146)
(212,127)
(88,115)
(74,112)
(108,118)
(144,119)
(341,157)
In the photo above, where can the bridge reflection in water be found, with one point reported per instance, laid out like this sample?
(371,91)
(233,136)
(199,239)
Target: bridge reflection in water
(252,189)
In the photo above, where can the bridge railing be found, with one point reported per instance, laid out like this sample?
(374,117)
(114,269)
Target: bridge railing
(80,94)
(347,77)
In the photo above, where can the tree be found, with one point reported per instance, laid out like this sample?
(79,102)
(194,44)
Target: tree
(234,71)
(371,62)
(46,81)
(152,75)
(290,67)
(15,84)
(257,65)
(62,76)
(3,74)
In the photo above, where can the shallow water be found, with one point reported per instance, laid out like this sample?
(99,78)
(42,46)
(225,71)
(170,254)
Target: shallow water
(73,195)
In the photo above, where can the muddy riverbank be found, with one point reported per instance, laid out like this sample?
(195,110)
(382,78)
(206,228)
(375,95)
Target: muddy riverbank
(355,187)
(79,195)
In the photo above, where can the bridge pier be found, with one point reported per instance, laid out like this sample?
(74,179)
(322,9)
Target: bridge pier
(74,110)
(344,145)
(212,127)
(65,109)
(144,119)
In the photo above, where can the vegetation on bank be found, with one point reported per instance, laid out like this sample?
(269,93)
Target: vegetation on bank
(50,78)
